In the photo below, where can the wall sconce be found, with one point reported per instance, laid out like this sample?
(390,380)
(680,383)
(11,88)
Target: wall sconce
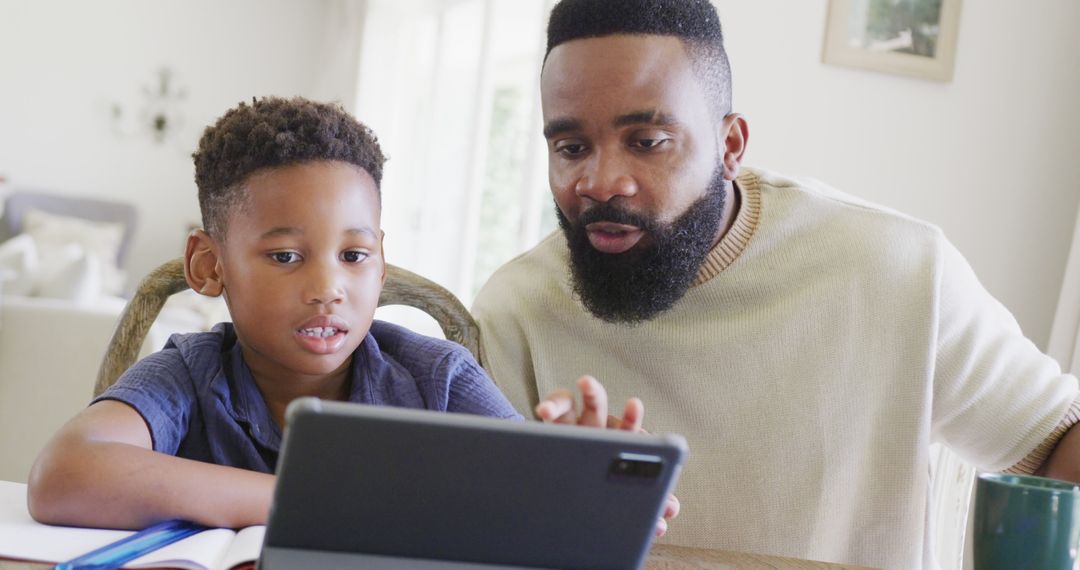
(158,114)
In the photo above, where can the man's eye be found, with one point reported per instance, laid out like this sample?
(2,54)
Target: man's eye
(285,257)
(353,256)
(570,150)
(649,143)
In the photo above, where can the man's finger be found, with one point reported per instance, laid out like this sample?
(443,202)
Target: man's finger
(661,527)
(594,402)
(633,415)
(671,508)
(558,407)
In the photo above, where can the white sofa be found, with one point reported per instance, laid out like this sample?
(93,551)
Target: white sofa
(50,350)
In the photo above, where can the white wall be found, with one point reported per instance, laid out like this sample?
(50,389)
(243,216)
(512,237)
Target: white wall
(62,63)
(991,157)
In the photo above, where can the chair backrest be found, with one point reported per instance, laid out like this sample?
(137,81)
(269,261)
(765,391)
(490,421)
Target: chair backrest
(17,204)
(951,483)
(402,287)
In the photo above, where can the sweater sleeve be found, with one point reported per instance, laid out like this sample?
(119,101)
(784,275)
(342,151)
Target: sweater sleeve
(504,348)
(997,398)
(1034,460)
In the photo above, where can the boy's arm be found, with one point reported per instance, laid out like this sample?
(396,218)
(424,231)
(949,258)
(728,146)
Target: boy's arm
(100,470)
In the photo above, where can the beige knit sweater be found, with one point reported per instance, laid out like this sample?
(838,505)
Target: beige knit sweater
(826,343)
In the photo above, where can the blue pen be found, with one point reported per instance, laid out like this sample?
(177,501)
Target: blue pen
(125,550)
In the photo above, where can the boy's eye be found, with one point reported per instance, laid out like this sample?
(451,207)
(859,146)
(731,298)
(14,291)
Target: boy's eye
(353,256)
(285,257)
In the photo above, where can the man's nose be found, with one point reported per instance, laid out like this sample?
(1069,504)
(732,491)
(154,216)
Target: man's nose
(324,284)
(606,175)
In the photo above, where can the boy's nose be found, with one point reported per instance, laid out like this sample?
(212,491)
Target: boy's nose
(324,287)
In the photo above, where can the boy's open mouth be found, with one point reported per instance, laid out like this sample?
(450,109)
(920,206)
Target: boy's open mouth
(319,332)
(324,334)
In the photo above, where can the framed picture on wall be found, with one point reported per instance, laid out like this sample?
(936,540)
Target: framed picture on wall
(907,37)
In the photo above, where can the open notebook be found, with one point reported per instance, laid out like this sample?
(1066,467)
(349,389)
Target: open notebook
(22,538)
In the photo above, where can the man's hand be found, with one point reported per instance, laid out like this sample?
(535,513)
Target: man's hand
(671,510)
(560,407)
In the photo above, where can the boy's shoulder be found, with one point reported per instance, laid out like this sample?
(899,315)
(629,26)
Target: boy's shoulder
(221,335)
(196,356)
(403,368)
(202,349)
(408,347)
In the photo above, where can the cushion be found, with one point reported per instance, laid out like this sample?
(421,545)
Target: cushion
(18,265)
(77,280)
(52,233)
(189,311)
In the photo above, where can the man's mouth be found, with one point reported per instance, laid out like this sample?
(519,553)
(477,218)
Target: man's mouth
(609,237)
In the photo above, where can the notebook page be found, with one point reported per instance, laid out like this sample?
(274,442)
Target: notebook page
(244,548)
(198,552)
(23,538)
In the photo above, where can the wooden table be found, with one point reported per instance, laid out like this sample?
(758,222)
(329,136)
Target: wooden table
(663,557)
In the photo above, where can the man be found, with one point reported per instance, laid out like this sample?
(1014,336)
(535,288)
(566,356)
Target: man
(810,346)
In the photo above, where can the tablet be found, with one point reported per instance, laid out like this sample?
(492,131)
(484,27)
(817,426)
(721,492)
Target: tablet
(378,487)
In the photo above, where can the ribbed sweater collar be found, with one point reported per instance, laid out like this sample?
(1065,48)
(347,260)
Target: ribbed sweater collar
(728,249)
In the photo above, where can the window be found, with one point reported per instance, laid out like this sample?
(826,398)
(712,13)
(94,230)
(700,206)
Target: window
(452,90)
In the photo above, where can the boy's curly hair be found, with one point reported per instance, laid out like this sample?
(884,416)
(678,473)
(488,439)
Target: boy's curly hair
(273,132)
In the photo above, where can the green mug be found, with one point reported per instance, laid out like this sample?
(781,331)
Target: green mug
(1024,522)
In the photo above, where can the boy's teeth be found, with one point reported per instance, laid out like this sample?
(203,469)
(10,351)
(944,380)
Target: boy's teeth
(319,331)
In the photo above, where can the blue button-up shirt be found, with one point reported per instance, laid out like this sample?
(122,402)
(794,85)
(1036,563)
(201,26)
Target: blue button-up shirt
(200,401)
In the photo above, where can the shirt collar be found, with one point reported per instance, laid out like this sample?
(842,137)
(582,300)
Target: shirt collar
(249,407)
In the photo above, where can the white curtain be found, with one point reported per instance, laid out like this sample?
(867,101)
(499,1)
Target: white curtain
(339,52)
(1065,334)
(451,89)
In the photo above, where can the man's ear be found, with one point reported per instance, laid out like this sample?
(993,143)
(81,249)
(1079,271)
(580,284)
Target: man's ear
(202,264)
(735,134)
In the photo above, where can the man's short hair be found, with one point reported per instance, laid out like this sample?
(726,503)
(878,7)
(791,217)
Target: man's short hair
(274,132)
(695,22)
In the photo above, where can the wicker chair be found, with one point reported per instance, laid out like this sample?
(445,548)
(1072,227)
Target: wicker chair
(402,288)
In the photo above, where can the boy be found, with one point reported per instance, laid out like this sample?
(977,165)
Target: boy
(289,194)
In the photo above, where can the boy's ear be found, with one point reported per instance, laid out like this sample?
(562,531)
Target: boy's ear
(202,266)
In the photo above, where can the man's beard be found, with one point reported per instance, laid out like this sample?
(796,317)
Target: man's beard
(639,284)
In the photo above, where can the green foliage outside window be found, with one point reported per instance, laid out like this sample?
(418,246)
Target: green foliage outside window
(500,203)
